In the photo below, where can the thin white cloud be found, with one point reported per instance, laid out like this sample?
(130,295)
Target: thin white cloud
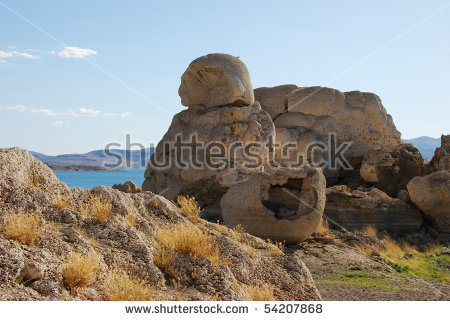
(80,112)
(12,54)
(45,112)
(75,52)
(58,123)
(19,108)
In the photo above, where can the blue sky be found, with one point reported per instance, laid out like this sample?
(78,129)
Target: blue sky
(107,68)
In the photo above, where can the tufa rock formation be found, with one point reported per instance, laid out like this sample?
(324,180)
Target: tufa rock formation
(390,169)
(285,205)
(34,271)
(308,114)
(216,80)
(221,111)
(431,194)
(359,208)
(441,158)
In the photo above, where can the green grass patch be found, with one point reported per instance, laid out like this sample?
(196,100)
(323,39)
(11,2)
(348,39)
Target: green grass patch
(356,268)
(358,279)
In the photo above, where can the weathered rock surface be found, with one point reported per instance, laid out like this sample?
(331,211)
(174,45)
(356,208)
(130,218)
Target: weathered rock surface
(285,205)
(34,272)
(441,158)
(128,187)
(390,169)
(222,112)
(224,125)
(431,194)
(316,112)
(216,80)
(357,209)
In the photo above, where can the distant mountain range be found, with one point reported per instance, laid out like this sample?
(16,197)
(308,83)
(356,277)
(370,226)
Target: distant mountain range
(426,145)
(117,159)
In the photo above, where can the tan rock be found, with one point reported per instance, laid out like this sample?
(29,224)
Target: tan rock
(33,272)
(390,169)
(358,209)
(431,194)
(284,205)
(272,99)
(216,80)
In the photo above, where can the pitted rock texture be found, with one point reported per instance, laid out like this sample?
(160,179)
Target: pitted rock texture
(284,205)
(316,112)
(216,80)
(390,169)
(34,272)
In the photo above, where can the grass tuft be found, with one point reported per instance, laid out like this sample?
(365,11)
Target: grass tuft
(324,228)
(122,285)
(370,230)
(261,292)
(189,207)
(21,226)
(80,270)
(61,202)
(189,239)
(97,208)
(33,179)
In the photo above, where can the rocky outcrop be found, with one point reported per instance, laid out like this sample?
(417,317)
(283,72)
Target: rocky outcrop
(441,158)
(216,80)
(222,117)
(357,209)
(285,205)
(431,194)
(127,238)
(390,169)
(127,187)
(309,114)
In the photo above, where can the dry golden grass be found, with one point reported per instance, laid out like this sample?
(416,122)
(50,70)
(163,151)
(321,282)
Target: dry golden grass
(61,202)
(276,248)
(21,226)
(260,292)
(189,208)
(97,208)
(324,228)
(131,219)
(393,249)
(80,270)
(370,230)
(163,257)
(187,238)
(122,285)
(33,180)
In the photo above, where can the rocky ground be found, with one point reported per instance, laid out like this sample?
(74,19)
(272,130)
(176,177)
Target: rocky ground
(342,272)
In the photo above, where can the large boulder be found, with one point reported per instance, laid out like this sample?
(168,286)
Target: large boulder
(431,194)
(359,208)
(216,80)
(355,117)
(390,169)
(222,117)
(285,205)
(226,126)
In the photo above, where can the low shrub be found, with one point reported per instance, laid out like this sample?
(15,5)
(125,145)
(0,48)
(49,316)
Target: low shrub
(21,226)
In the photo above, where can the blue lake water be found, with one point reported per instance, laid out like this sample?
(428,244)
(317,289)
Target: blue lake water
(90,179)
